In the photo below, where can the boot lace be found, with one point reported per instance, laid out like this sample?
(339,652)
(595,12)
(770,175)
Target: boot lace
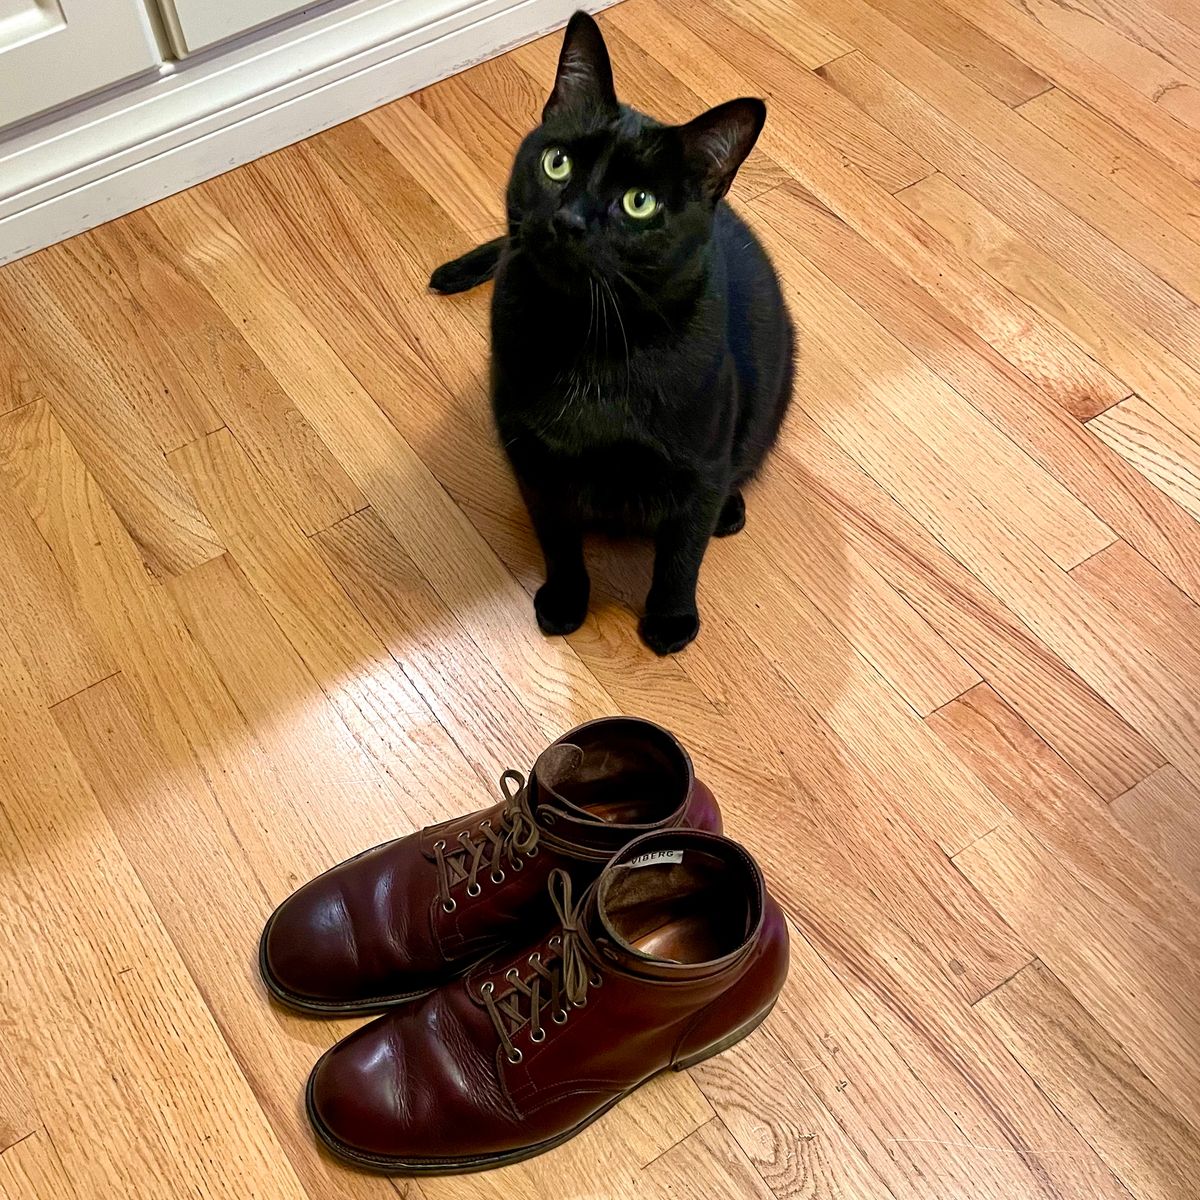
(512,840)
(553,987)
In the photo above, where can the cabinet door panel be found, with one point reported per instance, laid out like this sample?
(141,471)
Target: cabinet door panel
(54,51)
(195,24)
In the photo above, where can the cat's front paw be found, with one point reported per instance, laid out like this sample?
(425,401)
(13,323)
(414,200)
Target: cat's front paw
(669,634)
(561,606)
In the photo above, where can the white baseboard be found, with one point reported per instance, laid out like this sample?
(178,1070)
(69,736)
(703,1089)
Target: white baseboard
(202,117)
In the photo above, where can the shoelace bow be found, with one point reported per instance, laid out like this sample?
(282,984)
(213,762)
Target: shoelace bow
(515,839)
(567,977)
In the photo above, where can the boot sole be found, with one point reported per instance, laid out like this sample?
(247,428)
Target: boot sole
(332,1008)
(387,1165)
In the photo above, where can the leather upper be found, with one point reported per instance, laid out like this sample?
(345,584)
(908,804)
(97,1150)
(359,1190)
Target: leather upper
(396,921)
(433,1083)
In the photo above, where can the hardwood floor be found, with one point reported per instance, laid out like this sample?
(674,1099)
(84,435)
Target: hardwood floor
(265,601)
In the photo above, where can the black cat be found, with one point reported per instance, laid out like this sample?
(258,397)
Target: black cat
(641,350)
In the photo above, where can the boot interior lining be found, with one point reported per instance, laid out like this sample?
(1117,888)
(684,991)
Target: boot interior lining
(689,912)
(627,778)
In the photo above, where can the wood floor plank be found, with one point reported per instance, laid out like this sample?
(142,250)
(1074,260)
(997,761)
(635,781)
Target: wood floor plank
(1022,495)
(114,435)
(967,49)
(79,292)
(470,190)
(1038,279)
(838,780)
(142,1091)
(398,484)
(723,1166)
(1063,814)
(1039,350)
(42,614)
(880,157)
(1085,730)
(1166,455)
(34,1168)
(1162,814)
(487,722)
(1118,1110)
(1119,155)
(899,1089)
(1089,636)
(1090,27)
(1063,64)
(1122,973)
(1101,481)
(1101,914)
(806,41)
(167,819)
(366,685)
(18,1113)
(1155,27)
(1168,634)
(1110,240)
(127,331)
(210,351)
(178,692)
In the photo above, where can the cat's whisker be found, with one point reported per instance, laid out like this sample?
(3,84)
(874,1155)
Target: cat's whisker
(624,338)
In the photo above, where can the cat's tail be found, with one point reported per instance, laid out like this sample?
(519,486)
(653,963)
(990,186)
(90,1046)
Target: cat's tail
(473,268)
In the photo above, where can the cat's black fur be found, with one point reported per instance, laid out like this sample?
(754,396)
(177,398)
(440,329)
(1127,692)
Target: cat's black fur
(640,368)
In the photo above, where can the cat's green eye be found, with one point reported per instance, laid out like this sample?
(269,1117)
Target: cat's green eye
(557,164)
(639,203)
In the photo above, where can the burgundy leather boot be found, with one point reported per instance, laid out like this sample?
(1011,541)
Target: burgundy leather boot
(675,953)
(393,923)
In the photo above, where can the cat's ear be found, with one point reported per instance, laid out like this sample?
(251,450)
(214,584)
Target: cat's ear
(585,77)
(716,142)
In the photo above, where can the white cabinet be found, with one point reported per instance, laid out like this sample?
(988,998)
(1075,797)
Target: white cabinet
(53,51)
(195,24)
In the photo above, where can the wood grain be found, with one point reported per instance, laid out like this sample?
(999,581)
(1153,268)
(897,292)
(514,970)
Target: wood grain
(1164,453)
(1162,813)
(266,601)
(1139,1135)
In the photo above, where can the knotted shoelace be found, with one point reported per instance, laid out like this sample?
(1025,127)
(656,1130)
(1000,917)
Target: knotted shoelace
(513,839)
(555,986)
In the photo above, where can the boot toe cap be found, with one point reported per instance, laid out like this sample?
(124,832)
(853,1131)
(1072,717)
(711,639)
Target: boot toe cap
(309,952)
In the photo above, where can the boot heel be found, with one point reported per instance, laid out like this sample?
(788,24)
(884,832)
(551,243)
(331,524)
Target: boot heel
(731,1039)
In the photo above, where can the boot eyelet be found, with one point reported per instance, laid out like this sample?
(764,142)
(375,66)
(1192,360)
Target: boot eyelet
(487,988)
(486,824)
(440,844)
(531,853)
(462,837)
(516,1055)
(538,1035)
(473,890)
(535,957)
(517,864)
(556,941)
(448,906)
(581,1003)
(497,877)
(560,1016)
(596,981)
(512,975)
